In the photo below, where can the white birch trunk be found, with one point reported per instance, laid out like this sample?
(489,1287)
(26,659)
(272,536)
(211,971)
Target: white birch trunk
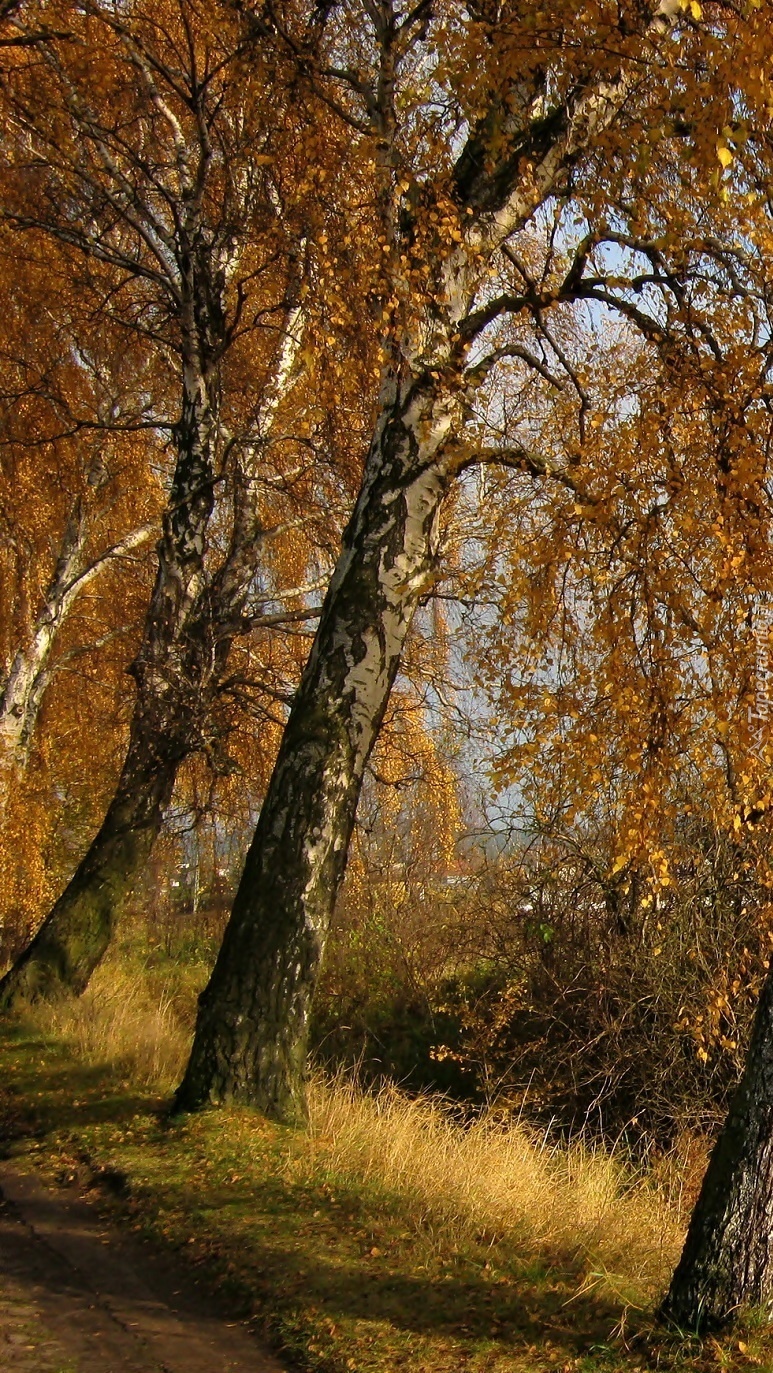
(251,1033)
(33,666)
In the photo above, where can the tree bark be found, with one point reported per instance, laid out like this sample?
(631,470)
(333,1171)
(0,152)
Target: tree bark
(251,1036)
(727,1261)
(174,674)
(29,675)
(75,935)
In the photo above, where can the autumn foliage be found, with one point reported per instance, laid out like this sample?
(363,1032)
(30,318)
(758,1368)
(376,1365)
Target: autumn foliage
(385,421)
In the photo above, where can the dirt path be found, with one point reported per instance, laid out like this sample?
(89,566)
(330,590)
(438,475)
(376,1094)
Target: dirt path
(77,1296)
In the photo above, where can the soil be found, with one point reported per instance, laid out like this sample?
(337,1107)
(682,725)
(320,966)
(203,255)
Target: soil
(79,1296)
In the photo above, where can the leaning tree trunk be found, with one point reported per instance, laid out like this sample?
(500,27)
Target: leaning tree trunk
(727,1261)
(194,614)
(75,935)
(251,1035)
(172,664)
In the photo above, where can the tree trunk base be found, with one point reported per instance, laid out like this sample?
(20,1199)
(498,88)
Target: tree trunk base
(64,953)
(727,1261)
(238,1060)
(75,936)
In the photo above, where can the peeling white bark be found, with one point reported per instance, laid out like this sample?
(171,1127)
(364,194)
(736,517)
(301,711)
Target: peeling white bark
(297,857)
(238,571)
(32,668)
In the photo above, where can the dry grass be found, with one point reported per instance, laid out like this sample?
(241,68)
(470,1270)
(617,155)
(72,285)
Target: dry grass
(496,1179)
(493,1181)
(124,1021)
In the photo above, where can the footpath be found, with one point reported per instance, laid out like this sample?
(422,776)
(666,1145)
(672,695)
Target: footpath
(78,1296)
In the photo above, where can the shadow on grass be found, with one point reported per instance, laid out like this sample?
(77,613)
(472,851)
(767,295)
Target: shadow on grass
(45,1091)
(291,1263)
(452,1305)
(276,1244)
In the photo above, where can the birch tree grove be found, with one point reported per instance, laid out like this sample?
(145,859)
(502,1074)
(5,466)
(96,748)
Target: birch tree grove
(478,127)
(145,148)
(339,285)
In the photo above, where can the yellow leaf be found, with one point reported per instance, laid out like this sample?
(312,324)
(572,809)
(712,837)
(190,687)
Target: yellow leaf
(695,10)
(725,156)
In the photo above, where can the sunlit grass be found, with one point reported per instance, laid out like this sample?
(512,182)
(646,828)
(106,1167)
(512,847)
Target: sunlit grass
(494,1179)
(124,1019)
(497,1180)
(389,1235)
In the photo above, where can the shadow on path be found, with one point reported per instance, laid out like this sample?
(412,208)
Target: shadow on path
(77,1295)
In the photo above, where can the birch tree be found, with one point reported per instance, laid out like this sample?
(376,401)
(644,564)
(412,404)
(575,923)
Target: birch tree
(653,691)
(475,122)
(30,671)
(143,143)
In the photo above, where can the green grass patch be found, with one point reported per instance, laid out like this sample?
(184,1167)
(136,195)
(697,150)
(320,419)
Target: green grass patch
(341,1274)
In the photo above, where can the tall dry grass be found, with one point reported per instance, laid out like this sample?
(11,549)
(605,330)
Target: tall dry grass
(494,1180)
(125,1021)
(497,1179)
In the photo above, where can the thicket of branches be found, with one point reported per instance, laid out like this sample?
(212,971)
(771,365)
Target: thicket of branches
(385,404)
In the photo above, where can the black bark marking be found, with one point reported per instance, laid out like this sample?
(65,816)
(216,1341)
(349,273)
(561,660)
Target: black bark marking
(726,1261)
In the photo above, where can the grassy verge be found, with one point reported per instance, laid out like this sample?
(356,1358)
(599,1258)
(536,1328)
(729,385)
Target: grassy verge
(385,1238)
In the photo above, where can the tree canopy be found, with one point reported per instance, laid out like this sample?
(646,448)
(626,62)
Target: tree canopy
(377,343)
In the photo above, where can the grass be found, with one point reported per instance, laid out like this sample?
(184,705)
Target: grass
(386,1237)
(496,1182)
